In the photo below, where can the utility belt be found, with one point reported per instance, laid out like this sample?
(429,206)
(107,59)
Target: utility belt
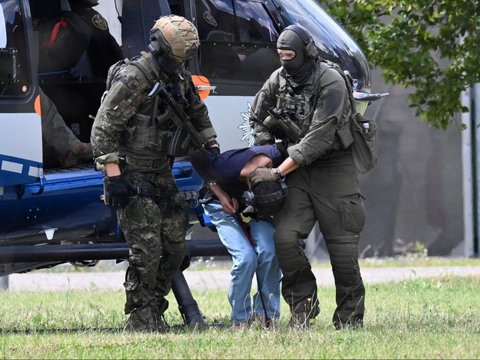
(153,164)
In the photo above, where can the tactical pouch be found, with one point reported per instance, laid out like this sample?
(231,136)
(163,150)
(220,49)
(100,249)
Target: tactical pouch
(345,135)
(364,133)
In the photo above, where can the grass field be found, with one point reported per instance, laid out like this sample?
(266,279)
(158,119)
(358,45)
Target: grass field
(437,318)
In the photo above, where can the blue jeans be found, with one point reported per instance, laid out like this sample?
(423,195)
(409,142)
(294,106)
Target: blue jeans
(249,259)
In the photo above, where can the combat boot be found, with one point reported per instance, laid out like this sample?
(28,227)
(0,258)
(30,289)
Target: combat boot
(300,319)
(141,320)
(158,309)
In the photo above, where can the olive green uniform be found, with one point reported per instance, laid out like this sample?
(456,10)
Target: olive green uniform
(133,130)
(323,189)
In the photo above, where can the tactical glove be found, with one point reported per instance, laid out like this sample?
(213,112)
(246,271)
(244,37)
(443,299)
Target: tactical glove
(212,146)
(261,174)
(117,191)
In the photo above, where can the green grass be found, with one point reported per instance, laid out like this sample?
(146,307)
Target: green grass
(225,264)
(418,260)
(437,318)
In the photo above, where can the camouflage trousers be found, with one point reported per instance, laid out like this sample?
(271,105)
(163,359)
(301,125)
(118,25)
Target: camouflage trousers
(154,226)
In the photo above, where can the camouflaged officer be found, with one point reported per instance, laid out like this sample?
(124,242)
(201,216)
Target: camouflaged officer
(311,100)
(130,138)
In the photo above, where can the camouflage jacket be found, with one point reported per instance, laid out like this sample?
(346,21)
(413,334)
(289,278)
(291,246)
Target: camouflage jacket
(328,106)
(132,125)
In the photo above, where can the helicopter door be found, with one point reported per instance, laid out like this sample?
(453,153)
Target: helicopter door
(20,122)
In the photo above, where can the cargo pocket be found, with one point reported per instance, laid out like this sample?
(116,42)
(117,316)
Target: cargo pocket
(352,213)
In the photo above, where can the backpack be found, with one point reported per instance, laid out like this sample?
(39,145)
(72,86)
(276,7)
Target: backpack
(361,132)
(140,62)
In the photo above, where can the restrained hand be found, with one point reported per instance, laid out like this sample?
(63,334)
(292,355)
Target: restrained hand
(117,191)
(261,174)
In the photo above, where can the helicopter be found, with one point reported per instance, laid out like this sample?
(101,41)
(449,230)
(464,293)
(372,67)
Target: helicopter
(51,216)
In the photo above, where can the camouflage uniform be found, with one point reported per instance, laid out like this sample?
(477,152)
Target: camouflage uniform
(324,188)
(133,130)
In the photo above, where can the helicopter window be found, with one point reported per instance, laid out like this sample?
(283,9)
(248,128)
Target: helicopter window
(215,20)
(334,43)
(13,65)
(254,23)
(237,40)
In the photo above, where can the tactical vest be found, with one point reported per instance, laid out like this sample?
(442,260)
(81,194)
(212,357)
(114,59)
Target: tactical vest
(303,104)
(150,130)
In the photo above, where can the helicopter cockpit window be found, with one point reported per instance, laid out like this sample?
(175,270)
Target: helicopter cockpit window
(237,40)
(13,65)
(334,43)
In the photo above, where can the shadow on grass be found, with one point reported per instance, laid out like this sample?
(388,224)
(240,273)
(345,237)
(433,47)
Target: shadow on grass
(177,329)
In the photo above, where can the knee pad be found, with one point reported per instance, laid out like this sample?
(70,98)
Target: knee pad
(344,260)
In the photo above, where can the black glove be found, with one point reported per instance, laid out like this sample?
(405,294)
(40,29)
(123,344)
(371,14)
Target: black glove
(212,146)
(117,191)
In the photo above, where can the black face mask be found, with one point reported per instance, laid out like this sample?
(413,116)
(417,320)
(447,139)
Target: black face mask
(298,68)
(168,65)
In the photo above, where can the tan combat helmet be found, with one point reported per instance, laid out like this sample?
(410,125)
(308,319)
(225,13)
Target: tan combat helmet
(175,36)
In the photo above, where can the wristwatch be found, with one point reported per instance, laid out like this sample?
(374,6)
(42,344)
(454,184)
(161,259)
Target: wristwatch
(278,173)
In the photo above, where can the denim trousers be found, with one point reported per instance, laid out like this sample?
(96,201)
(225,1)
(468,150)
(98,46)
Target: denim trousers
(254,256)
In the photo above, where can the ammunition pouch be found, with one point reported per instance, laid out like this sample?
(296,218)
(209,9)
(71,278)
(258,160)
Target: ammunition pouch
(344,134)
(180,143)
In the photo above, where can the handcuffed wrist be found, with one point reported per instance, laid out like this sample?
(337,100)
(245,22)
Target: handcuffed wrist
(211,183)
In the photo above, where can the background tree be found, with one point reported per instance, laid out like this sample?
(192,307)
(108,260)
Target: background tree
(432,46)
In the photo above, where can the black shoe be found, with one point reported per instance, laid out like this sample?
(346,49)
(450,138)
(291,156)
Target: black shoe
(299,321)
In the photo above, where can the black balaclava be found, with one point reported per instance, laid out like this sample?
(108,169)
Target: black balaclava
(298,68)
(168,64)
(162,51)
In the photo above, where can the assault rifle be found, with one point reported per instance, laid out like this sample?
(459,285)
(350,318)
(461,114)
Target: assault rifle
(181,121)
(279,120)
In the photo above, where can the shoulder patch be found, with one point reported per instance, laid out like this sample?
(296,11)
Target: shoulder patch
(99,22)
